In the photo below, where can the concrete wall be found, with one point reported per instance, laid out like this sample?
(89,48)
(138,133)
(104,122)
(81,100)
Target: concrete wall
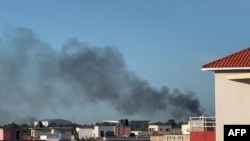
(231,101)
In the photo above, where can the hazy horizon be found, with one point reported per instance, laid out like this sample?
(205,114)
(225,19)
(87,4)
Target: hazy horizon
(110,60)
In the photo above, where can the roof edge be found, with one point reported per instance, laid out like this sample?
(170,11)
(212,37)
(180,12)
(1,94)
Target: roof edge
(233,68)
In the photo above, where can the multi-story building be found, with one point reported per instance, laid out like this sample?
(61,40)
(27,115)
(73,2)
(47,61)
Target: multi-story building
(202,128)
(122,129)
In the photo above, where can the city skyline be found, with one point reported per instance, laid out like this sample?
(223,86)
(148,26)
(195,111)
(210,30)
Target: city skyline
(164,43)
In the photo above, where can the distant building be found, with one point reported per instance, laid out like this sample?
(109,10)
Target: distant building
(37,131)
(85,132)
(104,131)
(139,125)
(12,134)
(159,129)
(185,128)
(52,123)
(122,129)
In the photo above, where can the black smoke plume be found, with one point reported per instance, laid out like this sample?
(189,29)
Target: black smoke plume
(35,77)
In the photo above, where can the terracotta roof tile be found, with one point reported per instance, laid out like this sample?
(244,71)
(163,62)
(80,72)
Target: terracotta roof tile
(240,59)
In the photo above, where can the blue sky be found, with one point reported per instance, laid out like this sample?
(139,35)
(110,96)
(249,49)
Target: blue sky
(164,42)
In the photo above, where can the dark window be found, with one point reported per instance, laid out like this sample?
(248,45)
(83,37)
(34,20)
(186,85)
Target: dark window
(102,133)
(17,135)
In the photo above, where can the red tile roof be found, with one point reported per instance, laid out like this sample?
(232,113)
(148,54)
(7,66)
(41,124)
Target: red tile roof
(238,60)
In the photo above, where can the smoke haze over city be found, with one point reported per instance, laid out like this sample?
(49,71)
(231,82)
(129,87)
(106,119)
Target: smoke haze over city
(36,78)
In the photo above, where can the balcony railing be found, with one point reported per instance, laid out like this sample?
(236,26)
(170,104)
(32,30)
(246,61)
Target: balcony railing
(202,123)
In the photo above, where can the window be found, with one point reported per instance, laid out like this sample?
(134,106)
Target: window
(17,135)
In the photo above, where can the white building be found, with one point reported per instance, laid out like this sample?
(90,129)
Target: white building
(104,131)
(185,128)
(85,132)
(37,132)
(52,122)
(56,137)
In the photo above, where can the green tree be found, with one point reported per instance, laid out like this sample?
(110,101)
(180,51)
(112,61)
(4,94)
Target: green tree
(75,133)
(12,125)
(25,128)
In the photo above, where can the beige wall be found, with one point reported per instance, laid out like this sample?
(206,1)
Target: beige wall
(176,137)
(231,101)
(185,128)
(156,138)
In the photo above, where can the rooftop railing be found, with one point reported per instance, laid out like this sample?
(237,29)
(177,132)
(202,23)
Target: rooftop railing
(202,123)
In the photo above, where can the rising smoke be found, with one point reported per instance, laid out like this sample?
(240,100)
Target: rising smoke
(35,77)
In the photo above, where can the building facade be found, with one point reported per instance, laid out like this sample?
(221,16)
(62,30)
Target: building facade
(12,134)
(85,132)
(122,131)
(159,129)
(232,79)
(37,131)
(104,131)
(185,128)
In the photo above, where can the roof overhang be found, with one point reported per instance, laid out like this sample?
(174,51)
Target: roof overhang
(234,68)
(238,76)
